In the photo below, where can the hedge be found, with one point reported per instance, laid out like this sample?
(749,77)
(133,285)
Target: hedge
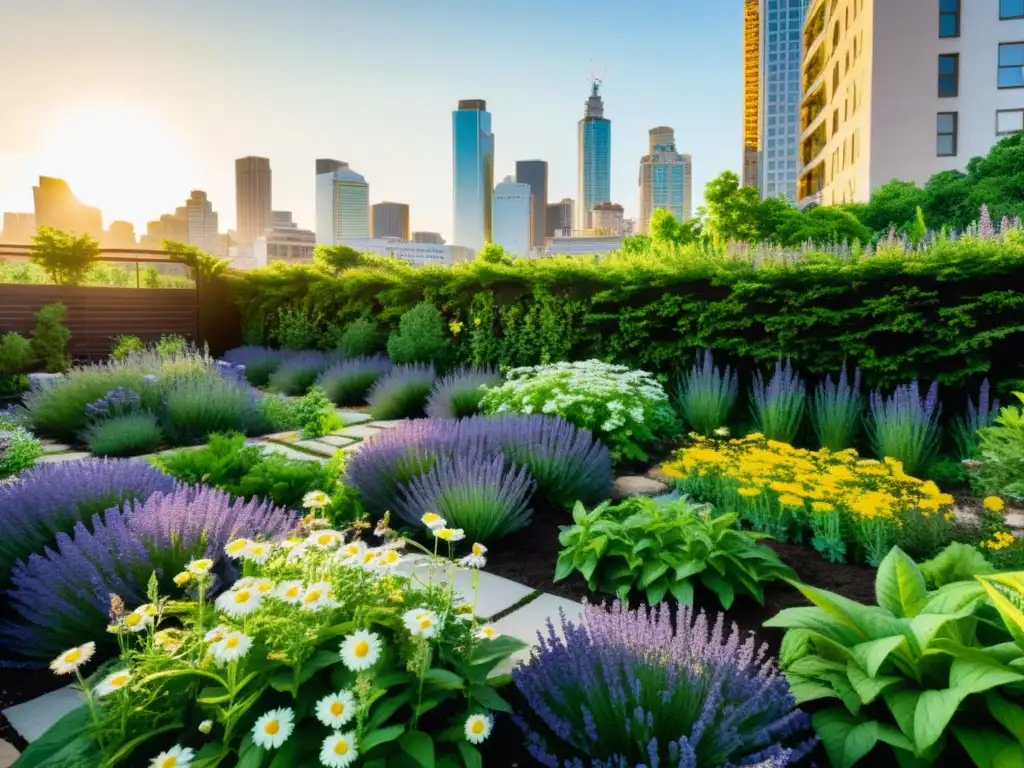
(954,312)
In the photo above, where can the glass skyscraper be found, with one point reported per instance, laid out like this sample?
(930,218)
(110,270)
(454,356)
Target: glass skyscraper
(473,173)
(665,179)
(595,158)
(782,23)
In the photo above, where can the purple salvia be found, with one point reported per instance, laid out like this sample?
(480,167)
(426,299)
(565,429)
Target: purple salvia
(348,382)
(458,394)
(259,362)
(836,409)
(1004,226)
(403,392)
(905,426)
(297,372)
(778,405)
(986,229)
(965,429)
(707,394)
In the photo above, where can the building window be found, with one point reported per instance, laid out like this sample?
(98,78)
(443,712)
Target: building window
(1009,121)
(1011,9)
(1011,65)
(949,73)
(949,18)
(946,130)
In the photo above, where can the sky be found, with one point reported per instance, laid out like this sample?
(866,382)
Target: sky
(137,103)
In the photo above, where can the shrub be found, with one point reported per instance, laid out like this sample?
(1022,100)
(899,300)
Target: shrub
(295,330)
(421,338)
(851,508)
(349,382)
(473,492)
(124,347)
(623,689)
(836,410)
(666,547)
(19,450)
(15,354)
(117,402)
(316,414)
(905,426)
(1001,452)
(361,338)
(171,346)
(64,595)
(66,257)
(51,336)
(966,428)
(623,408)
(458,394)
(705,396)
(53,498)
(193,407)
(127,434)
(297,373)
(276,413)
(778,405)
(402,393)
(259,362)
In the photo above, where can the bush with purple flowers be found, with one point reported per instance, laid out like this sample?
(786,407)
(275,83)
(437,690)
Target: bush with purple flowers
(297,372)
(905,426)
(705,396)
(116,402)
(966,427)
(403,392)
(259,362)
(836,409)
(623,689)
(458,394)
(349,382)
(778,404)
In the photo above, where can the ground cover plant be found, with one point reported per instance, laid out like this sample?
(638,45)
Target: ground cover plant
(19,448)
(402,392)
(349,382)
(658,547)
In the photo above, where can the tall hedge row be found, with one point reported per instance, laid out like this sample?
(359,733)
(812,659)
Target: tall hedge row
(954,312)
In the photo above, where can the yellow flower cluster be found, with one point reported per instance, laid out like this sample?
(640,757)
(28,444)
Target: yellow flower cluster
(1000,540)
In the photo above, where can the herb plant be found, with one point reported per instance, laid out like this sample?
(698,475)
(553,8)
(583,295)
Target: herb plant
(19,450)
(905,425)
(124,346)
(421,338)
(777,405)
(458,394)
(402,393)
(705,396)
(836,410)
(1001,453)
(127,434)
(977,417)
(350,381)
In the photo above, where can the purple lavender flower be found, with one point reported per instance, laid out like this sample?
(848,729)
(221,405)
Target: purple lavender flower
(689,697)
(778,406)
(965,428)
(51,499)
(836,409)
(706,394)
(986,229)
(259,362)
(119,401)
(348,382)
(297,372)
(458,394)
(905,426)
(403,392)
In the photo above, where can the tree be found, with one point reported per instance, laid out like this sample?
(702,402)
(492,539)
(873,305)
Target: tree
(65,256)
(492,253)
(731,210)
(894,204)
(918,229)
(823,225)
(198,261)
(338,258)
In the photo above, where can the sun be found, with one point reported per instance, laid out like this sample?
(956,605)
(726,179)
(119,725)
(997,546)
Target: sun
(120,159)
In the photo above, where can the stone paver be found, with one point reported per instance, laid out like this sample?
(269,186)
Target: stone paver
(284,437)
(494,593)
(339,442)
(290,453)
(8,754)
(353,448)
(525,622)
(388,424)
(34,717)
(353,417)
(359,432)
(635,485)
(317,447)
(60,458)
(55,448)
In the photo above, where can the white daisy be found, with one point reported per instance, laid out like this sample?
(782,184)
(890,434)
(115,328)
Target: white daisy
(265,587)
(231,647)
(476,557)
(148,609)
(336,709)
(297,552)
(200,567)
(369,559)
(339,750)
(450,534)
(324,539)
(318,596)
(421,622)
(290,543)
(236,547)
(487,632)
(478,728)
(216,634)
(175,757)
(115,681)
(433,521)
(244,583)
(73,658)
(273,729)
(290,592)
(388,560)
(136,621)
(350,552)
(239,602)
(206,726)
(360,650)
(315,500)
(257,551)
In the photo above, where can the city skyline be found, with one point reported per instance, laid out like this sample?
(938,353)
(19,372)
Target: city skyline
(201,96)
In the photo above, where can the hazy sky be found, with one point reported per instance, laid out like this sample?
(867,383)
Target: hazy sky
(138,102)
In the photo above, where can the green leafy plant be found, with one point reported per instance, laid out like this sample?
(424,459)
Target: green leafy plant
(171,345)
(16,360)
(296,330)
(957,562)
(128,434)
(51,336)
(194,406)
(199,262)
(277,413)
(705,395)
(421,338)
(664,548)
(124,346)
(316,415)
(361,338)
(1001,454)
(66,257)
(19,450)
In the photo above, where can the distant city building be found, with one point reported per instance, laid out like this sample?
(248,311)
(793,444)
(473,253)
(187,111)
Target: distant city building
(606,219)
(57,207)
(120,234)
(461,253)
(202,222)
(665,180)
(18,228)
(170,226)
(905,90)
(561,218)
(583,246)
(512,217)
(326,165)
(390,220)
(472,173)
(284,240)
(751,92)
(342,207)
(628,227)
(428,237)
(252,194)
(535,173)
(417,254)
(594,140)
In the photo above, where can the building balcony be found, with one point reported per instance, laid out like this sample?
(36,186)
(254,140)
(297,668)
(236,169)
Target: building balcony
(811,201)
(814,27)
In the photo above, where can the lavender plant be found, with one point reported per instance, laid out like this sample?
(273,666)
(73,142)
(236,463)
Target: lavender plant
(778,405)
(402,393)
(297,372)
(705,395)
(458,394)
(195,406)
(623,689)
(117,402)
(51,499)
(259,362)
(965,427)
(905,426)
(836,409)
(230,371)
(348,382)
(128,434)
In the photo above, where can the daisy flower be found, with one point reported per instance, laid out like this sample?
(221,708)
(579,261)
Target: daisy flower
(350,551)
(433,521)
(257,551)
(360,650)
(238,602)
(273,728)
(476,558)
(182,579)
(336,709)
(290,592)
(175,757)
(478,728)
(487,632)
(290,543)
(216,634)
(420,622)
(236,547)
(339,750)
(231,647)
(369,559)
(389,560)
(200,567)
(318,596)
(265,587)
(325,539)
(450,534)
(315,500)
(115,681)
(244,583)
(148,610)
(136,621)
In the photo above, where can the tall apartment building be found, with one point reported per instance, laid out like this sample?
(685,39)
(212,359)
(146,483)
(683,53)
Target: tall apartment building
(202,222)
(18,228)
(390,220)
(594,161)
(751,92)
(56,206)
(606,219)
(535,173)
(512,222)
(326,165)
(561,218)
(665,178)
(342,207)
(472,173)
(252,197)
(905,90)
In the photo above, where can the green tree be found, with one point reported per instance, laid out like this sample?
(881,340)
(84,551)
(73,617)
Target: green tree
(918,229)
(492,253)
(947,200)
(823,225)
(198,261)
(337,258)
(64,256)
(731,210)
(893,204)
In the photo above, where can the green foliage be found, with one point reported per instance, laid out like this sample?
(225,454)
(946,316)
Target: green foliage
(277,413)
(492,253)
(401,397)
(171,345)
(662,548)
(421,338)
(337,258)
(194,406)
(1001,453)
(19,450)
(124,346)
(296,330)
(911,672)
(199,263)
(957,562)
(15,353)
(128,434)
(51,336)
(361,338)
(705,396)
(316,415)
(66,257)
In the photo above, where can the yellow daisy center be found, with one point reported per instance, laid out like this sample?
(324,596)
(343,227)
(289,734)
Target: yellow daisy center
(242,596)
(478,550)
(313,596)
(324,539)
(292,591)
(133,619)
(266,586)
(477,727)
(337,708)
(72,656)
(231,642)
(425,623)
(361,649)
(272,727)
(169,762)
(341,747)
(237,546)
(119,681)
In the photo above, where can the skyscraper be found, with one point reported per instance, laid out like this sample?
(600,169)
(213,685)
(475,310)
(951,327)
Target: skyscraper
(252,193)
(606,219)
(561,218)
(473,173)
(342,207)
(535,173)
(57,207)
(326,165)
(751,91)
(512,216)
(202,222)
(781,27)
(18,228)
(595,158)
(664,178)
(390,220)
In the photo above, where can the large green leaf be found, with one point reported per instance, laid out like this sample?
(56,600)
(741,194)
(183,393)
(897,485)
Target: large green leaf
(721,587)
(808,689)
(70,729)
(1009,714)
(953,598)
(1006,591)
(926,626)
(419,746)
(815,619)
(902,703)
(870,656)
(652,571)
(869,622)
(989,748)
(847,739)
(899,585)
(868,688)
(380,736)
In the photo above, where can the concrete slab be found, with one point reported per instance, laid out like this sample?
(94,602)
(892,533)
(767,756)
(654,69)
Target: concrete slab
(359,432)
(291,453)
(494,593)
(353,417)
(32,718)
(338,442)
(628,486)
(353,448)
(387,424)
(284,437)
(525,622)
(317,447)
(60,458)
(55,448)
